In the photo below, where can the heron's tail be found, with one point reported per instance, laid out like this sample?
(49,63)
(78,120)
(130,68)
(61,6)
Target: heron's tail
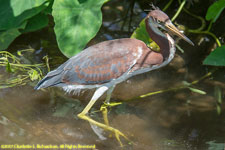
(48,81)
(53,78)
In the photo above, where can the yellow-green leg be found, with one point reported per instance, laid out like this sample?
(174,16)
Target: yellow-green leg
(106,104)
(104,110)
(83,115)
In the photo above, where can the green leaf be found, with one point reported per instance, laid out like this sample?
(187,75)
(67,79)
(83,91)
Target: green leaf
(216,57)
(218,109)
(186,83)
(218,94)
(76,22)
(141,34)
(33,74)
(48,10)
(213,145)
(197,90)
(14,12)
(35,23)
(215,10)
(8,68)
(6,37)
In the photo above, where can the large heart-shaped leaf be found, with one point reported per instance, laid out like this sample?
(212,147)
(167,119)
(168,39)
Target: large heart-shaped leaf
(15,12)
(76,22)
(216,57)
(215,10)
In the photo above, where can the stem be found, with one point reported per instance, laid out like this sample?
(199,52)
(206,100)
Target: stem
(9,55)
(199,30)
(26,65)
(47,62)
(203,24)
(179,10)
(207,32)
(167,5)
(179,87)
(179,48)
(210,25)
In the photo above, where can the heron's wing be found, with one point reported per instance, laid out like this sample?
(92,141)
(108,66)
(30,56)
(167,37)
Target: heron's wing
(103,62)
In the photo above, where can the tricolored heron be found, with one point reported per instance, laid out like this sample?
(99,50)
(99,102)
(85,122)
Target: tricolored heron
(104,65)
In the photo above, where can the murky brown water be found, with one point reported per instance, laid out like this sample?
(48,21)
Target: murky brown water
(173,120)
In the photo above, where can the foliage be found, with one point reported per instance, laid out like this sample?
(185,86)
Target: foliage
(215,10)
(141,33)
(37,22)
(15,12)
(72,19)
(217,57)
(15,15)
(219,99)
(213,145)
(7,37)
(23,73)
(76,21)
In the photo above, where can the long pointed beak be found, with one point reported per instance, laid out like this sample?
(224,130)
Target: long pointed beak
(169,25)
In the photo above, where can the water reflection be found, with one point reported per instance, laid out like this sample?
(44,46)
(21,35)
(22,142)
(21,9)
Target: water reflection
(164,121)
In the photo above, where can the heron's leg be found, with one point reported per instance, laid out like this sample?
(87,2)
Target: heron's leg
(104,111)
(104,106)
(107,100)
(109,94)
(107,103)
(98,93)
(83,115)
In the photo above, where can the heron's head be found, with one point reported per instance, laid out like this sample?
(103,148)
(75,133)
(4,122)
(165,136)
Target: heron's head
(157,18)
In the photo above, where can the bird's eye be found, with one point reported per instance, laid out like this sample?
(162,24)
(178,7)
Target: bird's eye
(158,21)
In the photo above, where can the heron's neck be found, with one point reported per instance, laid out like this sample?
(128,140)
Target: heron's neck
(157,36)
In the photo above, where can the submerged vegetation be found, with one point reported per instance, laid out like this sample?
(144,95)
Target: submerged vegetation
(20,73)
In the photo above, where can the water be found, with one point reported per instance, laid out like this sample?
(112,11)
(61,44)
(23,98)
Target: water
(179,119)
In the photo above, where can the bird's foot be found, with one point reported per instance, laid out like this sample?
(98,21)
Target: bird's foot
(116,132)
(104,111)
